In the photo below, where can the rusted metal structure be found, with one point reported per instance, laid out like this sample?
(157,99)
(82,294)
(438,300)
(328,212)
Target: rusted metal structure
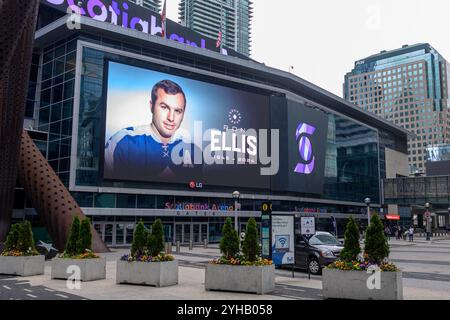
(42,186)
(17,25)
(49,196)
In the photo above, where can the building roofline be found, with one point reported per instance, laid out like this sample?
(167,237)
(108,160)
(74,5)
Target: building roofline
(387,54)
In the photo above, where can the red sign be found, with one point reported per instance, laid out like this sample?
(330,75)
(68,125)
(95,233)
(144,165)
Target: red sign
(392,217)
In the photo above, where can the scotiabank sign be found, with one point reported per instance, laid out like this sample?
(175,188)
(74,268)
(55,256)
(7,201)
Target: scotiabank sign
(198,206)
(129,15)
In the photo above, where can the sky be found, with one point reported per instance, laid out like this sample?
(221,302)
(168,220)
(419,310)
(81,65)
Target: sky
(322,39)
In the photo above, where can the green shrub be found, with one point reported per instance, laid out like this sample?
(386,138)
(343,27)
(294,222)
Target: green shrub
(12,238)
(85,237)
(376,246)
(72,242)
(229,245)
(351,241)
(25,241)
(155,242)
(139,240)
(250,247)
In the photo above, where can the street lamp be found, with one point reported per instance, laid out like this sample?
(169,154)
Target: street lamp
(236,196)
(367,201)
(428,220)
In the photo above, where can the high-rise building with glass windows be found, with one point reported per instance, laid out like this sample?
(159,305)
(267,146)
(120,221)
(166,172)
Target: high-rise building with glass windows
(206,17)
(154,5)
(410,87)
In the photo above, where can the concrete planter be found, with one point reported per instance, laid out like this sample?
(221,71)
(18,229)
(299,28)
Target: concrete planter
(253,279)
(339,284)
(90,269)
(22,266)
(158,274)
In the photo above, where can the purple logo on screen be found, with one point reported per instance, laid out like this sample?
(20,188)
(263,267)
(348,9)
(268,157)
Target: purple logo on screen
(305,148)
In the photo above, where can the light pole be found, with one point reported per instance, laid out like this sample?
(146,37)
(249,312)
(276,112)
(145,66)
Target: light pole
(236,196)
(367,201)
(428,220)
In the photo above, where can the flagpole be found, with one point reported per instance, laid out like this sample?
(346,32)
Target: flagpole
(221,24)
(164,20)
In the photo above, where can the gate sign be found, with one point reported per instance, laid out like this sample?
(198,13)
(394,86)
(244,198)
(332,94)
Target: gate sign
(282,239)
(266,212)
(308,225)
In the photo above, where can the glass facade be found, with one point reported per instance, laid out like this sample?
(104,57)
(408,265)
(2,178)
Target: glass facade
(56,104)
(410,191)
(408,86)
(351,167)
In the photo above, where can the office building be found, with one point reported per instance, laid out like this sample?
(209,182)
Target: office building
(154,5)
(206,17)
(409,87)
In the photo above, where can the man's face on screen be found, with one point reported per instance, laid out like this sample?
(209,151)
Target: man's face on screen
(168,113)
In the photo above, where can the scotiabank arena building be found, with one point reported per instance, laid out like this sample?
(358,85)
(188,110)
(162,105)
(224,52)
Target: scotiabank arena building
(140,126)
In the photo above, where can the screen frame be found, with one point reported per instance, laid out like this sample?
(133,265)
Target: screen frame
(181,73)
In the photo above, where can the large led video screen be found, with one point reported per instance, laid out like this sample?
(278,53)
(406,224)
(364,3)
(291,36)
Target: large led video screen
(165,128)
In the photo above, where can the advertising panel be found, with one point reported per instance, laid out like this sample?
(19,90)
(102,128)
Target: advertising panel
(308,225)
(283,239)
(303,146)
(307,138)
(165,128)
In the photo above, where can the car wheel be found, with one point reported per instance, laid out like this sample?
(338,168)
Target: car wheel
(314,266)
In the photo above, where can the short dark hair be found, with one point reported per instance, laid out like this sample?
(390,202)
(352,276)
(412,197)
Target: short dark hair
(169,87)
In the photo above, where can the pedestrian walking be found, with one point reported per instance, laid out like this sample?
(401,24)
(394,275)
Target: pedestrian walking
(387,233)
(400,232)
(411,233)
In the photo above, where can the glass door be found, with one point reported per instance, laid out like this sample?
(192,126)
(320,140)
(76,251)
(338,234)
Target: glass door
(203,232)
(196,233)
(129,233)
(187,233)
(178,233)
(120,234)
(109,230)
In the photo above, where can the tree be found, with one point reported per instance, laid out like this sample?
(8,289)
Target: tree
(25,241)
(139,240)
(12,238)
(156,239)
(71,246)
(376,246)
(229,245)
(351,241)
(85,237)
(250,248)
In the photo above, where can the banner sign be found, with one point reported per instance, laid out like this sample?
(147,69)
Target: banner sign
(283,239)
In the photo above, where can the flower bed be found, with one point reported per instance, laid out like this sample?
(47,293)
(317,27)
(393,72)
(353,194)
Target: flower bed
(147,258)
(240,272)
(147,264)
(239,260)
(86,255)
(17,253)
(20,256)
(363,276)
(363,265)
(79,256)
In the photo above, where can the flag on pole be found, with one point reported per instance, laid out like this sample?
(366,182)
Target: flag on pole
(219,40)
(163,20)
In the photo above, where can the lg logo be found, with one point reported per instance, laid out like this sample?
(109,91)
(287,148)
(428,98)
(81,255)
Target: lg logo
(305,148)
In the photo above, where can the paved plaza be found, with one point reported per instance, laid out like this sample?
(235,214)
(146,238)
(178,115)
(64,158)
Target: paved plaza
(425,266)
